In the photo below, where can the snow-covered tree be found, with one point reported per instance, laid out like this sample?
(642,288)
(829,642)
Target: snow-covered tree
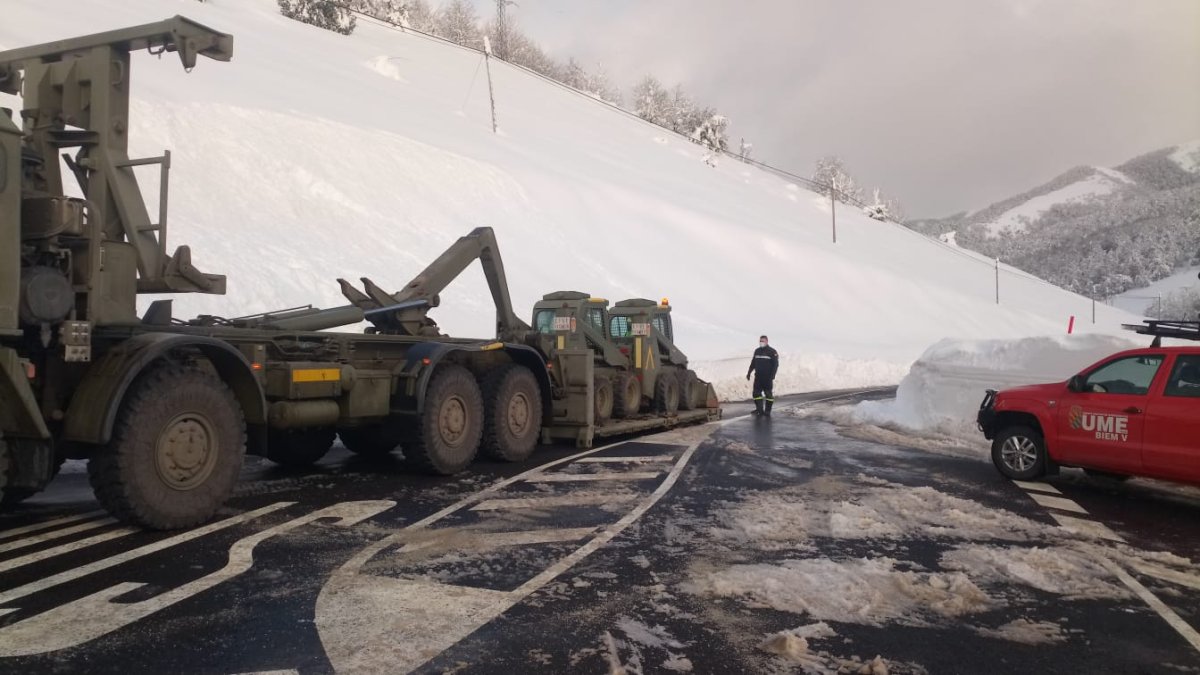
(711,133)
(831,173)
(744,150)
(883,208)
(458,23)
(327,14)
(391,11)
(681,111)
(418,16)
(651,101)
(1180,305)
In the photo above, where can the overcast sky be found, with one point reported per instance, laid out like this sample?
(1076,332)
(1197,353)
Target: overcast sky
(948,104)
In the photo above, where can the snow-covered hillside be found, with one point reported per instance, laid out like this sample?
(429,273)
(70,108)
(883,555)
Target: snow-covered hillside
(1017,218)
(314,155)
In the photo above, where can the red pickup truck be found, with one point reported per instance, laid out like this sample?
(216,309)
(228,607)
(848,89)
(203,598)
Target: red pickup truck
(1135,413)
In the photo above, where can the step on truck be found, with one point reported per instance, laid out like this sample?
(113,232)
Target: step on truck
(164,409)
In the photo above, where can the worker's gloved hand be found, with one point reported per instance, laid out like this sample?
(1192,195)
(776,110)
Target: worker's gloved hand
(747,377)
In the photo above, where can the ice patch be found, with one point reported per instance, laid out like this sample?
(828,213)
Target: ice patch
(1026,632)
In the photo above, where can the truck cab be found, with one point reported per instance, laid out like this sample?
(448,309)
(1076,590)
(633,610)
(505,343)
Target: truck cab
(1135,413)
(643,329)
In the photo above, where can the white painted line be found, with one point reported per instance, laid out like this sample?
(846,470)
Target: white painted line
(1040,487)
(7,534)
(1059,503)
(56,534)
(105,563)
(93,616)
(552,502)
(65,548)
(622,460)
(1157,605)
(491,540)
(591,477)
(1167,574)
(1086,527)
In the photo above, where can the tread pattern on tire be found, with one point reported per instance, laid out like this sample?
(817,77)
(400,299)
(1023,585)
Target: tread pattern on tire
(623,408)
(420,440)
(603,385)
(493,386)
(111,468)
(687,389)
(663,402)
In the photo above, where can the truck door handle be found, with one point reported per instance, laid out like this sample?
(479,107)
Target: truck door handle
(1133,410)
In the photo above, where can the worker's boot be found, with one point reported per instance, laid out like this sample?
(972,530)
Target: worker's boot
(770,402)
(758,407)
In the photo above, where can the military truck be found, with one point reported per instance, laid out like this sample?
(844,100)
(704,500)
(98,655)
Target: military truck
(164,409)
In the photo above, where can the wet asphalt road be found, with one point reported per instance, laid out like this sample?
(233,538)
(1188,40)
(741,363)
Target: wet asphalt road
(683,552)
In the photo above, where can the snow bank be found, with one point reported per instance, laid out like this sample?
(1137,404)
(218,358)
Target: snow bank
(942,391)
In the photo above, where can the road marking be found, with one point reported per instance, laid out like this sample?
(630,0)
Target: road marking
(56,534)
(105,563)
(1059,503)
(92,616)
(364,620)
(589,477)
(485,541)
(1040,487)
(8,534)
(1168,574)
(1089,528)
(1157,605)
(552,502)
(65,548)
(621,460)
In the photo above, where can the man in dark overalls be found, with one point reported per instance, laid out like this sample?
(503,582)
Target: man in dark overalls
(763,367)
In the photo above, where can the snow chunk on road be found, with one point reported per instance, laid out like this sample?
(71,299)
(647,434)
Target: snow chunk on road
(1062,571)
(862,591)
(1026,632)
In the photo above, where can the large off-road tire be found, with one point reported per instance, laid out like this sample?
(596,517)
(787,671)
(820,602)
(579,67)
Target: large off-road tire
(376,440)
(1019,453)
(10,494)
(666,393)
(627,395)
(446,437)
(299,448)
(687,389)
(602,397)
(176,449)
(512,413)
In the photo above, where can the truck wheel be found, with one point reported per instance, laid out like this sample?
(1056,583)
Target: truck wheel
(603,395)
(376,440)
(1019,453)
(512,414)
(627,396)
(687,390)
(446,437)
(176,450)
(41,453)
(299,448)
(666,393)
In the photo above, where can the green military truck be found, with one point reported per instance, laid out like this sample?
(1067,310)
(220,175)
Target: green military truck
(164,409)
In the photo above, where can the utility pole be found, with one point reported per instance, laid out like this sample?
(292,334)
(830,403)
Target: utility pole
(833,210)
(502,44)
(487,64)
(997,281)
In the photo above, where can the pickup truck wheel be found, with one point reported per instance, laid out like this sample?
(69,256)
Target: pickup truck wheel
(1019,452)
(666,393)
(299,448)
(376,440)
(176,450)
(603,398)
(446,438)
(687,389)
(627,395)
(512,414)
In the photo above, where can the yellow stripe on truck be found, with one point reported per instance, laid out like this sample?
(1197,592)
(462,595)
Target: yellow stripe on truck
(637,351)
(317,375)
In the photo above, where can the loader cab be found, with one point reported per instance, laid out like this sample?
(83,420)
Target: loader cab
(570,320)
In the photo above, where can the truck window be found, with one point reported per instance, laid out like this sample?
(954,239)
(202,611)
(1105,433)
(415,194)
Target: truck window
(620,327)
(1130,375)
(596,318)
(1185,378)
(544,321)
(662,325)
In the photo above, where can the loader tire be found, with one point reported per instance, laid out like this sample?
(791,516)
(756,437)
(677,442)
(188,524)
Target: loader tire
(687,389)
(603,397)
(299,448)
(176,450)
(512,414)
(666,393)
(10,494)
(627,396)
(445,439)
(376,440)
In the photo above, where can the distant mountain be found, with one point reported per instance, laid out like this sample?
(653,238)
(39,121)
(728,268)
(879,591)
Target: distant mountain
(1094,230)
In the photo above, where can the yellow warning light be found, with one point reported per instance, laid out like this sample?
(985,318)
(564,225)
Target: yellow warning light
(666,302)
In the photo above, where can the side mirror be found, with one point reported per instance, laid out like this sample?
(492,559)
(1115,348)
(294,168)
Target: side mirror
(1075,384)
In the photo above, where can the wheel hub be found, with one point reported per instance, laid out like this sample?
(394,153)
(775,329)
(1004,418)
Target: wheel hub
(1019,453)
(187,451)
(452,420)
(518,414)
